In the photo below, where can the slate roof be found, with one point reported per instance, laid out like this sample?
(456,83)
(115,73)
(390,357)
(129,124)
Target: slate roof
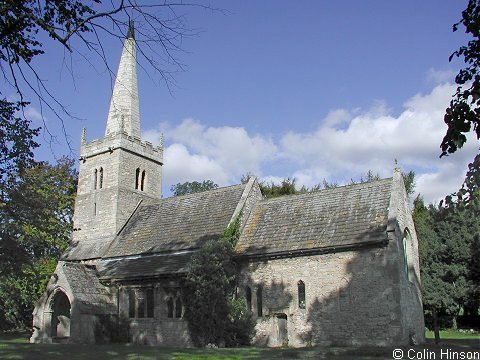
(89,293)
(87,248)
(177,223)
(144,266)
(348,215)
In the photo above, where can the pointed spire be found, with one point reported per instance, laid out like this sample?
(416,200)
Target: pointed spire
(124,115)
(84,136)
(131,30)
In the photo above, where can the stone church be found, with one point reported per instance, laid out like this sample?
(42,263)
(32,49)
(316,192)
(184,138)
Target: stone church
(334,267)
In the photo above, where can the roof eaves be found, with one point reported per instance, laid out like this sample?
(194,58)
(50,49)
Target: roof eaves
(315,251)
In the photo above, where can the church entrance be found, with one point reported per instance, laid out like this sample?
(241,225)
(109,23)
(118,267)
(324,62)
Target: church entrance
(60,325)
(282,331)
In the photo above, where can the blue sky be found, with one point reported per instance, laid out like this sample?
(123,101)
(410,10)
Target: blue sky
(304,89)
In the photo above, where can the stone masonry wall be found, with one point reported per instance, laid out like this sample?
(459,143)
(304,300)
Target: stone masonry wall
(159,330)
(103,211)
(351,299)
(406,243)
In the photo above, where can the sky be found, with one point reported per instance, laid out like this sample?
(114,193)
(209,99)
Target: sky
(310,90)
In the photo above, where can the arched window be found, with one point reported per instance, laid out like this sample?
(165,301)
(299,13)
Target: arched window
(248,298)
(141,302)
(143,180)
(100,182)
(174,307)
(137,178)
(170,307)
(131,303)
(259,301)
(178,308)
(95,179)
(301,295)
(407,254)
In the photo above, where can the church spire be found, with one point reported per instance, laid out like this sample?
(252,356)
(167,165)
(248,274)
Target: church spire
(124,115)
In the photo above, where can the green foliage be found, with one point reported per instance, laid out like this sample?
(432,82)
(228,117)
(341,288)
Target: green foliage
(448,247)
(192,187)
(213,314)
(288,186)
(35,227)
(469,193)
(23,19)
(409,181)
(16,141)
(463,113)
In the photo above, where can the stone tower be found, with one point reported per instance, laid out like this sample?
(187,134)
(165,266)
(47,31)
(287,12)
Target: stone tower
(115,172)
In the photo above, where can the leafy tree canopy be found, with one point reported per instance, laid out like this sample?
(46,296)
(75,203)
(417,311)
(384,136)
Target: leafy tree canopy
(35,228)
(448,248)
(288,186)
(192,187)
(16,141)
(214,314)
(463,113)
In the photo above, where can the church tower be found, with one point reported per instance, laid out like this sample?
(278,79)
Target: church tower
(117,171)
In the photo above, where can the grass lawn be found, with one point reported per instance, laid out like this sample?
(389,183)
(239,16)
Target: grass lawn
(453,334)
(16,346)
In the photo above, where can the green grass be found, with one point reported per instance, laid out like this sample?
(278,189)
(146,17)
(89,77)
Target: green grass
(453,334)
(16,346)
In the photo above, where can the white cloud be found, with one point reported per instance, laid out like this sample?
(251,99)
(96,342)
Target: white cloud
(232,147)
(440,76)
(373,139)
(222,154)
(181,165)
(32,114)
(345,145)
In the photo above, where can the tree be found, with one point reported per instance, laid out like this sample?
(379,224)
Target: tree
(448,262)
(463,113)
(288,186)
(81,28)
(192,187)
(16,141)
(214,314)
(35,228)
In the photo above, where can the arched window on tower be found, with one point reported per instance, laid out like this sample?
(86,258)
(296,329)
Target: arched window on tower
(143,180)
(137,178)
(95,175)
(100,181)
(248,298)
(301,295)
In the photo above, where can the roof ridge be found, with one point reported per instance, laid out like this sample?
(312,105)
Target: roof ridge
(323,191)
(201,192)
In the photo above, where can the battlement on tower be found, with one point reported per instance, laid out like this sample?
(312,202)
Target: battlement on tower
(121,140)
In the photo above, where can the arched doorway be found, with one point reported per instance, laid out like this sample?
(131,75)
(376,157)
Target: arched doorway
(60,325)
(282,331)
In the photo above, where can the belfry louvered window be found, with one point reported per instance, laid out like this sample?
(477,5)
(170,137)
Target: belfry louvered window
(140,179)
